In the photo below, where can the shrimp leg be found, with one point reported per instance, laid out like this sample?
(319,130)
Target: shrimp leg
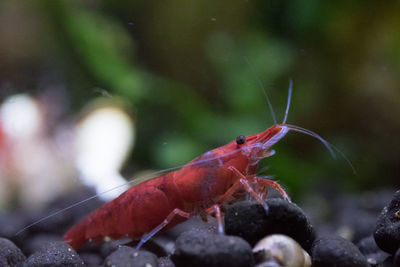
(239,183)
(166,221)
(243,181)
(213,209)
(273,184)
(217,211)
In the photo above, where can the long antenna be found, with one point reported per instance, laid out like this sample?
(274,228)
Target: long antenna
(288,100)
(263,89)
(315,135)
(328,145)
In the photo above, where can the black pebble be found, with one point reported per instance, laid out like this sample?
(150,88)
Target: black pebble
(10,224)
(379,258)
(396,258)
(55,254)
(367,245)
(360,222)
(336,251)
(387,263)
(387,232)
(35,242)
(250,221)
(106,248)
(129,257)
(371,251)
(91,259)
(165,262)
(358,213)
(202,248)
(10,254)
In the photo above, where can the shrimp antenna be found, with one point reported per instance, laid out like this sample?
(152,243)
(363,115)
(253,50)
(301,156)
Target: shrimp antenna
(328,145)
(288,100)
(315,135)
(345,158)
(263,89)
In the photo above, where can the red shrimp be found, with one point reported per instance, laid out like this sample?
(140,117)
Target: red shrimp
(200,187)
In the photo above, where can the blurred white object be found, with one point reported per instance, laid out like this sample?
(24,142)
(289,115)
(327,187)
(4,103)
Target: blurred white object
(32,170)
(20,117)
(40,157)
(103,140)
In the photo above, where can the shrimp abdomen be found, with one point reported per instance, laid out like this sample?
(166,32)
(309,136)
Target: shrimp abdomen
(134,213)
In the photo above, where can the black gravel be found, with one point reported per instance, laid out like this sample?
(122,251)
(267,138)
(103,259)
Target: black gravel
(202,248)
(336,251)
(348,215)
(372,252)
(129,257)
(396,258)
(165,262)
(91,259)
(379,258)
(11,223)
(387,232)
(57,254)
(10,254)
(367,245)
(387,263)
(362,223)
(37,241)
(250,221)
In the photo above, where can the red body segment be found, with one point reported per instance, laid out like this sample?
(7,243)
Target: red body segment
(196,187)
(123,216)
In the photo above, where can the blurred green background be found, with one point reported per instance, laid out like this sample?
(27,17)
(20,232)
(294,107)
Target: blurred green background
(180,68)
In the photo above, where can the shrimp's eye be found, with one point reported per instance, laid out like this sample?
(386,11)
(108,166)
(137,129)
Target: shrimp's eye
(240,140)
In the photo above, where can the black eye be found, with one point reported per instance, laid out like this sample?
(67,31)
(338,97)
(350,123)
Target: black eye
(240,140)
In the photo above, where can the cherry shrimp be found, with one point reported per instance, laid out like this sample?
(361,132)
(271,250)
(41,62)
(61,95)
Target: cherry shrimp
(217,177)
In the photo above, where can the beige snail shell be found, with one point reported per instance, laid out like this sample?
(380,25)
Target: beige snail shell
(283,250)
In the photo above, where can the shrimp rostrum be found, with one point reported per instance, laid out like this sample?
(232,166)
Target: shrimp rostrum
(213,179)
